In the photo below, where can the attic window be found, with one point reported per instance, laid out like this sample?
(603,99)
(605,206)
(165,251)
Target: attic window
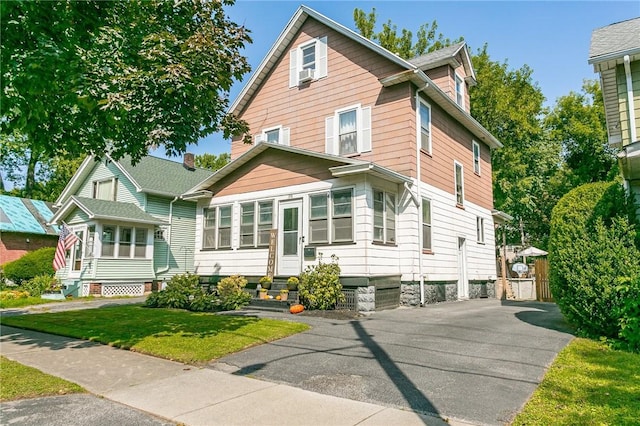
(105,189)
(459,91)
(308,62)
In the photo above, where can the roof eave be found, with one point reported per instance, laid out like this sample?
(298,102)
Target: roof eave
(369,168)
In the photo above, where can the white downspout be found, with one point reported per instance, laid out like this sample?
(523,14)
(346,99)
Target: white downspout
(630,103)
(419,189)
(166,268)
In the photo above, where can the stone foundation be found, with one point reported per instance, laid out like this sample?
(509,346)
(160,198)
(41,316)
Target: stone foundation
(435,292)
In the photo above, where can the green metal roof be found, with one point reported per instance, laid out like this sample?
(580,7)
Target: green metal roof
(113,210)
(162,176)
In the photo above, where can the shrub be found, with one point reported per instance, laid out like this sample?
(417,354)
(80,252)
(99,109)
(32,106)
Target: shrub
(230,291)
(38,285)
(592,253)
(32,264)
(180,291)
(629,314)
(13,294)
(320,286)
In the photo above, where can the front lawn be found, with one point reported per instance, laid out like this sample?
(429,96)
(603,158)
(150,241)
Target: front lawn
(19,381)
(588,384)
(24,301)
(178,335)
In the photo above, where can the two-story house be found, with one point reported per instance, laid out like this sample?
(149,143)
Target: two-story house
(615,54)
(133,226)
(361,154)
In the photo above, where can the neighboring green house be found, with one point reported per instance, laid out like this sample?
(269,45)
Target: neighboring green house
(615,54)
(135,229)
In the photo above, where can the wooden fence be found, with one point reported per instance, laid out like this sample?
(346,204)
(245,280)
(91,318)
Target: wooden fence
(543,293)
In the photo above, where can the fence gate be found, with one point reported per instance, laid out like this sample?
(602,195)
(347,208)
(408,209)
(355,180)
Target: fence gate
(543,293)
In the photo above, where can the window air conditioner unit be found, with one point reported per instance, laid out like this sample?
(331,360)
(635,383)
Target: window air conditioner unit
(305,75)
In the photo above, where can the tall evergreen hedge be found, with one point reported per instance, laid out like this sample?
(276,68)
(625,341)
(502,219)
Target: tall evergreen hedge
(32,264)
(594,259)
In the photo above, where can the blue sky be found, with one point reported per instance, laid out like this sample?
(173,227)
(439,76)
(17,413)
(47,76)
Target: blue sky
(552,37)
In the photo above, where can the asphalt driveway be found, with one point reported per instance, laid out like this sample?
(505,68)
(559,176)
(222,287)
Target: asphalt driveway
(478,361)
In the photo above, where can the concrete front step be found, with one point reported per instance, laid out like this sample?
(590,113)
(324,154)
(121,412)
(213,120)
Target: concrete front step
(270,305)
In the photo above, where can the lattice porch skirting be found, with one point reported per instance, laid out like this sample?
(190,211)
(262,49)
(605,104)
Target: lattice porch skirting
(115,289)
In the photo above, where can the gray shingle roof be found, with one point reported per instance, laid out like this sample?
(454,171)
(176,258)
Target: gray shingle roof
(436,57)
(161,176)
(114,210)
(620,37)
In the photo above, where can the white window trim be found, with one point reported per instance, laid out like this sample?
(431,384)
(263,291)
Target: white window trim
(116,242)
(295,61)
(419,125)
(216,228)
(283,135)
(427,200)
(455,182)
(476,160)
(256,223)
(457,78)
(385,229)
(480,230)
(363,129)
(114,188)
(83,230)
(330,216)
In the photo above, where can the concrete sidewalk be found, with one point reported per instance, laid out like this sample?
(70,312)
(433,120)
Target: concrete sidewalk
(187,394)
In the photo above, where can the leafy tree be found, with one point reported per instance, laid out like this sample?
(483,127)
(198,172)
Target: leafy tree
(113,77)
(211,161)
(577,121)
(401,44)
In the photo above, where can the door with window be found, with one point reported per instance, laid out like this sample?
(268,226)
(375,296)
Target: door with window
(77,254)
(290,237)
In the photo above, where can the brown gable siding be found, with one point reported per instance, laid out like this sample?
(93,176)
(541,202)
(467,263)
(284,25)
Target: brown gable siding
(451,142)
(353,74)
(274,169)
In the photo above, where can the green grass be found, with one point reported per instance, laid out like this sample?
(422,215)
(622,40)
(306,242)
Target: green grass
(587,384)
(167,333)
(27,301)
(19,381)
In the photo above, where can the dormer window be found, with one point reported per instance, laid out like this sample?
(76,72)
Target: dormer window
(278,134)
(308,62)
(459,91)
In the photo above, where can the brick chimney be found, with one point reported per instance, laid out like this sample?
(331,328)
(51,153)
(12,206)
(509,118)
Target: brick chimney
(189,161)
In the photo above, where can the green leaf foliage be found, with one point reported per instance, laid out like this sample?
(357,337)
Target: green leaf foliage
(593,257)
(118,77)
(320,286)
(32,264)
(212,161)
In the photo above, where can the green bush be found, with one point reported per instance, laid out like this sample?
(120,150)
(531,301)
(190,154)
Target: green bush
(629,314)
(179,293)
(32,264)
(592,251)
(230,291)
(38,285)
(320,286)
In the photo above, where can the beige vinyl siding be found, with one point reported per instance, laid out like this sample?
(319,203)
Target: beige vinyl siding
(124,269)
(623,100)
(126,191)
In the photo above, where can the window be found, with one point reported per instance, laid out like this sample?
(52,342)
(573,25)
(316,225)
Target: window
(77,253)
(265,222)
(425,127)
(209,228)
(459,91)
(426,225)
(124,248)
(459,182)
(140,250)
(384,217)
(332,211)
(247,224)
(224,227)
(216,228)
(158,234)
(348,131)
(308,61)
(480,229)
(279,135)
(108,241)
(476,157)
(105,189)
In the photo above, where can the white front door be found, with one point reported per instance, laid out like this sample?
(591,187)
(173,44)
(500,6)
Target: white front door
(463,281)
(290,237)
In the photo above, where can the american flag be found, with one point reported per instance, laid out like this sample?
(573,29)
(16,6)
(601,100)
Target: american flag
(66,240)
